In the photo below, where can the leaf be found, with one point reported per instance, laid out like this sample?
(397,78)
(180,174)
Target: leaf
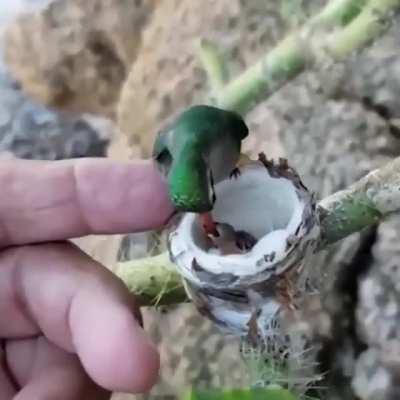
(240,394)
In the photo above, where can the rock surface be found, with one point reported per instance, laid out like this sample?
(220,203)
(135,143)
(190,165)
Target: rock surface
(32,131)
(75,54)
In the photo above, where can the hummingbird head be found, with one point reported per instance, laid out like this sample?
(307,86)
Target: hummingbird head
(210,121)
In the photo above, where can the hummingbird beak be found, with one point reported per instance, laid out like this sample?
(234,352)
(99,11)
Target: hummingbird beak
(207,221)
(211,190)
(209,225)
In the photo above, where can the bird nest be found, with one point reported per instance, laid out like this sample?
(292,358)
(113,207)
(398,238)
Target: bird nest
(255,267)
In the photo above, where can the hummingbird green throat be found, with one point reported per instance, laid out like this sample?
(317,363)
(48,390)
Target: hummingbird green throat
(199,148)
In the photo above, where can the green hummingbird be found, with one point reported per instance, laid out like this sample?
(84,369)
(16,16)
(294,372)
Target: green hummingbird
(197,149)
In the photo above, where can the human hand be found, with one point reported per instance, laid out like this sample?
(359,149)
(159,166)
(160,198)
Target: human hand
(69,329)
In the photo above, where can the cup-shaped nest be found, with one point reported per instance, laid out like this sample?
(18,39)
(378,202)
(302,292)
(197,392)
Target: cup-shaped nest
(244,289)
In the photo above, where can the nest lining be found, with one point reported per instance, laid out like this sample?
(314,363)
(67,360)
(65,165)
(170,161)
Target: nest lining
(267,207)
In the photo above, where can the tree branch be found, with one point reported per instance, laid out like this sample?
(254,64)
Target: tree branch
(368,201)
(303,48)
(371,23)
(154,280)
(338,13)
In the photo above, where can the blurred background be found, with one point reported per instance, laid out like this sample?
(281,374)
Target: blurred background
(97,78)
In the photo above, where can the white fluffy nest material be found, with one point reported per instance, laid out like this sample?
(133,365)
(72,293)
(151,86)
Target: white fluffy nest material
(244,293)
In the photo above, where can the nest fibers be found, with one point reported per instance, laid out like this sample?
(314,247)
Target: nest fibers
(246,293)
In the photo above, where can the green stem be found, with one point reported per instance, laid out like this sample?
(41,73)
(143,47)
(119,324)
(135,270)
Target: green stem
(301,49)
(371,23)
(365,203)
(263,78)
(154,280)
(338,13)
(373,198)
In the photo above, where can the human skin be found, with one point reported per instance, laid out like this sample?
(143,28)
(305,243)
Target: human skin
(68,327)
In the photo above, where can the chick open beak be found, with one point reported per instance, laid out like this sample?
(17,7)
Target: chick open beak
(208,224)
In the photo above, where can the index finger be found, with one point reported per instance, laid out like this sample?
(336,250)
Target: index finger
(56,200)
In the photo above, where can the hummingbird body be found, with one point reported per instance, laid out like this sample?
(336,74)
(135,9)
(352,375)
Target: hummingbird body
(198,149)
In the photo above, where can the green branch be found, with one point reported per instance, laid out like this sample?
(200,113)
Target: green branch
(362,22)
(371,23)
(154,280)
(373,198)
(338,13)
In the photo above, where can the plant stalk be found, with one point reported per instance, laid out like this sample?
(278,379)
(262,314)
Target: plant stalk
(376,196)
(153,280)
(365,203)
(362,22)
(371,23)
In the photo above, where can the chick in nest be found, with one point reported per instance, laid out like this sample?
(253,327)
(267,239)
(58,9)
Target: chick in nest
(226,240)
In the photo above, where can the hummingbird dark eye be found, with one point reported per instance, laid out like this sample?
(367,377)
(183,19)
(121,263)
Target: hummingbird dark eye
(164,159)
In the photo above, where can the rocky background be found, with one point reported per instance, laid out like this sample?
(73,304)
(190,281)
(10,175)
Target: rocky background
(90,77)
